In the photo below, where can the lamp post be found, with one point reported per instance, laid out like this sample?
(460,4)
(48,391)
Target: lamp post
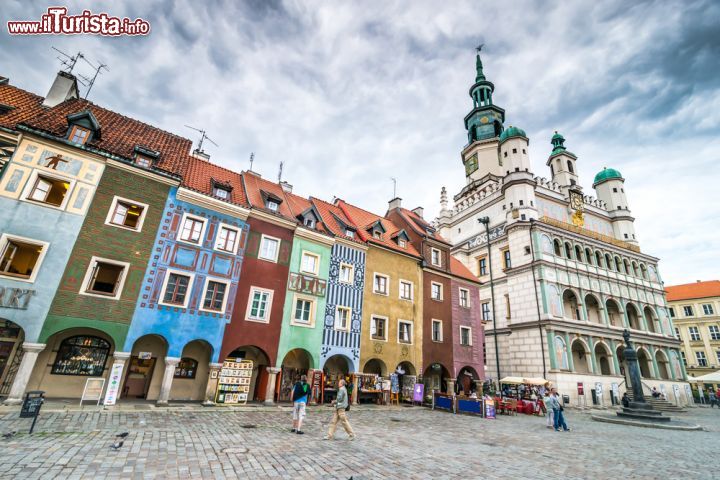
(486,221)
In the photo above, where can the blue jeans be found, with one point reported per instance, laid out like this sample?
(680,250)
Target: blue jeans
(560,420)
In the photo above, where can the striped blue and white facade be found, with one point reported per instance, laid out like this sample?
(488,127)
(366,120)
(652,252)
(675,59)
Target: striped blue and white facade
(350,295)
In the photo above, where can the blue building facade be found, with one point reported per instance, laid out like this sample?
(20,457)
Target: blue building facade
(343,310)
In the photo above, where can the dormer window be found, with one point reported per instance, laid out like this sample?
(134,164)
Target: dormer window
(79,135)
(349,233)
(402,242)
(377,234)
(143,161)
(310,223)
(145,157)
(222,193)
(272,205)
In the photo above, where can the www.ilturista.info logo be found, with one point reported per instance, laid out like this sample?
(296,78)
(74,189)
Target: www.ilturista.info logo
(57,22)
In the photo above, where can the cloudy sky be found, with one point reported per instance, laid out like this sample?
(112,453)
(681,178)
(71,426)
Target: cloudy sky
(349,94)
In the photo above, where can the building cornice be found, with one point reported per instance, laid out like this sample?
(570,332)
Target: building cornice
(351,244)
(144,173)
(191,196)
(274,219)
(314,236)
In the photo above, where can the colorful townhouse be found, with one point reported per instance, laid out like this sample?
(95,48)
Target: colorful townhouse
(452,346)
(257,319)
(391,327)
(189,289)
(340,351)
(45,191)
(305,300)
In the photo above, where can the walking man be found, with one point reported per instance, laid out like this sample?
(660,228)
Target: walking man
(299,397)
(558,411)
(340,404)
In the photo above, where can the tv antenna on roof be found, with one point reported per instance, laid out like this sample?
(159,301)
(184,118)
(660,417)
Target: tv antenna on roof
(203,137)
(68,62)
(89,82)
(394,180)
(252,159)
(280,172)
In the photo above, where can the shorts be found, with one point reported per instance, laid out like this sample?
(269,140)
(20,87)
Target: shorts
(298,410)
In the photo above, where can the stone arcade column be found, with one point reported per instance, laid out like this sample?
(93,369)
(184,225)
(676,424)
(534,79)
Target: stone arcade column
(354,393)
(450,386)
(270,388)
(170,364)
(17,390)
(114,381)
(211,386)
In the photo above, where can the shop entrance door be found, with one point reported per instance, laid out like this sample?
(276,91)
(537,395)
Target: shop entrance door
(11,353)
(138,378)
(261,384)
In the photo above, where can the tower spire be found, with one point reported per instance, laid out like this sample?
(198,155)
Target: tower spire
(478,64)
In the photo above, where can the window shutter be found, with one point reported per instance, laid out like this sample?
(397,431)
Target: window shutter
(118,280)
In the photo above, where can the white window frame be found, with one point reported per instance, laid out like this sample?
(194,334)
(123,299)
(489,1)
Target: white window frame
(191,284)
(402,243)
(217,189)
(692,311)
(693,332)
(111,213)
(302,262)
(248,310)
(204,291)
(313,307)
(6,237)
(441,291)
(714,332)
(263,237)
(88,275)
(30,185)
(387,284)
(706,307)
(698,354)
(412,290)
(352,273)
(216,246)
(387,327)
(273,202)
(432,329)
(412,331)
(337,316)
(470,340)
(467,291)
(482,312)
(181,227)
(433,250)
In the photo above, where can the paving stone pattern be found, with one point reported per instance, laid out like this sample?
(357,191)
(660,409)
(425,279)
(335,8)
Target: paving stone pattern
(401,442)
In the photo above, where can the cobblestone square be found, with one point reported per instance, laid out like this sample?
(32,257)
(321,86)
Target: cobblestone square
(397,442)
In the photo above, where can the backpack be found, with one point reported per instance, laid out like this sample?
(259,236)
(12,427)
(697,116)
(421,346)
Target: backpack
(300,390)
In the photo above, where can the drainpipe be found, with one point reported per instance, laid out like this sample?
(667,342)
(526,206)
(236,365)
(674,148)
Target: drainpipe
(537,301)
(486,221)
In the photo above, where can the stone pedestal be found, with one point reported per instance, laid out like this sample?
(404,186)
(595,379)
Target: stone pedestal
(211,386)
(17,390)
(270,388)
(166,386)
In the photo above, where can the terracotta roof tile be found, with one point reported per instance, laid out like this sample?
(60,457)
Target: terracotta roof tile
(200,175)
(364,219)
(459,269)
(255,185)
(25,105)
(330,213)
(420,225)
(690,291)
(300,204)
(119,134)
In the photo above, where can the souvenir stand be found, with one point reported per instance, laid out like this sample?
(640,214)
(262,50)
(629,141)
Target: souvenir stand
(369,388)
(407,384)
(234,382)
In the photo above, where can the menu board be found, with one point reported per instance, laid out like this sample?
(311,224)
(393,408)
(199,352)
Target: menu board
(234,382)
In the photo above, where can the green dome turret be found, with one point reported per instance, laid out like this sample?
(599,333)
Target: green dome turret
(607,174)
(512,132)
(558,142)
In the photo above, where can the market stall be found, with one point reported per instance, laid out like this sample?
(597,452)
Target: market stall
(369,388)
(234,382)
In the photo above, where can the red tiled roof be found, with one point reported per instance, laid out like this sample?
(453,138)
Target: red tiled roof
(328,212)
(200,174)
(255,185)
(300,204)
(25,105)
(364,219)
(420,225)
(459,269)
(691,291)
(120,134)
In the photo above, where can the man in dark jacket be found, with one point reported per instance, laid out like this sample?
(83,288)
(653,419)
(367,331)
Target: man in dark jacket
(299,397)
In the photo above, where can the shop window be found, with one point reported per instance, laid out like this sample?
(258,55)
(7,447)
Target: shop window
(105,277)
(482,266)
(126,213)
(464,297)
(192,229)
(342,318)
(49,190)
(436,291)
(269,248)
(405,331)
(186,368)
(310,263)
(437,335)
(346,273)
(214,298)
(406,290)
(81,355)
(380,284)
(259,305)
(79,135)
(227,239)
(466,336)
(304,312)
(20,258)
(378,330)
(176,289)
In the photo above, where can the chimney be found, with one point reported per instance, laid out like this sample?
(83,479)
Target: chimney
(63,88)
(200,155)
(418,211)
(394,203)
(286,186)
